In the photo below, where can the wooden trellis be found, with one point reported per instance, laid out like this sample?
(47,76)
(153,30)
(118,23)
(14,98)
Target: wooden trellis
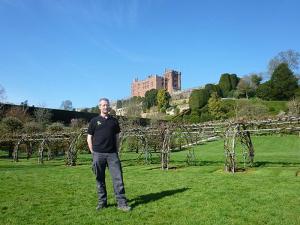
(162,133)
(235,134)
(44,140)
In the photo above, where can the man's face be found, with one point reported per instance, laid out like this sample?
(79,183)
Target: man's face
(104,107)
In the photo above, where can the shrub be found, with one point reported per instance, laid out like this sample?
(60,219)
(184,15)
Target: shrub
(12,124)
(33,127)
(55,127)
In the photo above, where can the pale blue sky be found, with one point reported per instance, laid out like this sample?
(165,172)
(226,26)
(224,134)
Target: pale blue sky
(81,50)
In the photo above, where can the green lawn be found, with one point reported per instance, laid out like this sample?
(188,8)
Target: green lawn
(201,194)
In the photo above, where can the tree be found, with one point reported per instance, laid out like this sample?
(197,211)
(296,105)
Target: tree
(234,80)
(12,124)
(150,98)
(42,115)
(119,104)
(198,99)
(66,105)
(264,91)
(283,83)
(247,85)
(163,98)
(211,88)
(56,127)
(2,93)
(19,112)
(256,79)
(215,106)
(290,57)
(244,87)
(227,83)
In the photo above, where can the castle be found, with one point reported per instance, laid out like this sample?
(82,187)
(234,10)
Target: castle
(170,81)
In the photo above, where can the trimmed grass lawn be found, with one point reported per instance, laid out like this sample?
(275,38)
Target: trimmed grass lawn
(268,193)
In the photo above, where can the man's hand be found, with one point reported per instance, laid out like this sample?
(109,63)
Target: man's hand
(90,142)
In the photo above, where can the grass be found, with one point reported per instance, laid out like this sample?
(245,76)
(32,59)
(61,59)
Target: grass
(54,194)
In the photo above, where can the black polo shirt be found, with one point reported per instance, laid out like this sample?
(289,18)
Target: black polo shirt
(104,134)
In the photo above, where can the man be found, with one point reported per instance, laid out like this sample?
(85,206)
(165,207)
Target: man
(103,142)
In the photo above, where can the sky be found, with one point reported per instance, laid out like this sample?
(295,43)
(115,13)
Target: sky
(81,50)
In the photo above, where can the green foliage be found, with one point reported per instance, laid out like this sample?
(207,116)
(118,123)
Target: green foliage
(194,117)
(215,106)
(234,80)
(119,104)
(130,144)
(163,98)
(12,124)
(283,83)
(297,92)
(95,109)
(198,99)
(264,91)
(150,99)
(211,88)
(81,145)
(275,107)
(256,79)
(227,83)
(56,127)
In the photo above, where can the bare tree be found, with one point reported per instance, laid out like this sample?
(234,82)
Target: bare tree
(66,105)
(42,115)
(289,57)
(248,84)
(2,93)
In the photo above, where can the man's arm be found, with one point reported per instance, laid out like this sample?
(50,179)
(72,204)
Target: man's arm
(90,142)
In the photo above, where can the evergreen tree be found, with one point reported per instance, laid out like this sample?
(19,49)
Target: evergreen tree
(234,80)
(225,84)
(283,83)
(264,91)
(198,99)
(211,88)
(150,98)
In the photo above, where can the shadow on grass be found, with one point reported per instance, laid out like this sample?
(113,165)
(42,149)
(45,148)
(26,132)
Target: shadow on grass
(144,199)
(270,164)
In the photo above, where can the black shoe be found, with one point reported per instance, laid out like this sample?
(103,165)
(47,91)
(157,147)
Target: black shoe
(124,208)
(101,206)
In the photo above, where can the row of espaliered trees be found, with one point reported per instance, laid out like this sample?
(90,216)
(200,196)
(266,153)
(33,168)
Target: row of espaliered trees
(36,135)
(161,138)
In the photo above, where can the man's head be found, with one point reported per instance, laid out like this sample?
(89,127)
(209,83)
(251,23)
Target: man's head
(104,106)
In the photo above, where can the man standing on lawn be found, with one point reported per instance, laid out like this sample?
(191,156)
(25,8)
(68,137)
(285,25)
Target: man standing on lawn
(103,142)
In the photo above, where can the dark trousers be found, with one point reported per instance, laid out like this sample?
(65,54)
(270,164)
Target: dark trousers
(100,161)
